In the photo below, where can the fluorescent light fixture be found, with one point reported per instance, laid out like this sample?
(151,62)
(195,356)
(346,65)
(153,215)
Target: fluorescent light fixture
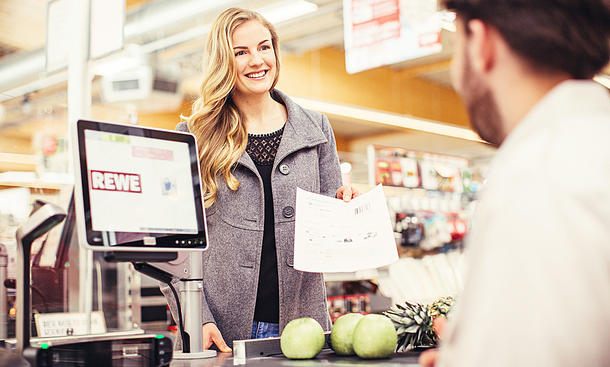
(390,119)
(32,179)
(169,13)
(287,10)
(17,176)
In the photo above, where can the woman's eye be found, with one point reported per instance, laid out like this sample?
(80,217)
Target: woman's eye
(265,47)
(239,53)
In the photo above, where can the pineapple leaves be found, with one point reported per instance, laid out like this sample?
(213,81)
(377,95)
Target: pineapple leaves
(413,322)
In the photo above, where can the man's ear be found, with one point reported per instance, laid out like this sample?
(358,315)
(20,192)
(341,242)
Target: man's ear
(482,47)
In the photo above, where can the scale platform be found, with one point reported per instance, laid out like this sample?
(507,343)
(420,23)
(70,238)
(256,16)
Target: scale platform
(110,349)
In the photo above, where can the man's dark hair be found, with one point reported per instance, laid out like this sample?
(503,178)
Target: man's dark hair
(569,36)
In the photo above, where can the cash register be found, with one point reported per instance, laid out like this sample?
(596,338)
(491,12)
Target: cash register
(138,198)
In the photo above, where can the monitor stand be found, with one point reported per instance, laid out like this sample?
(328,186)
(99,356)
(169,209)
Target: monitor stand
(191,292)
(191,296)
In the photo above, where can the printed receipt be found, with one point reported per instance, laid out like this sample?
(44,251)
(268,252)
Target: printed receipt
(334,236)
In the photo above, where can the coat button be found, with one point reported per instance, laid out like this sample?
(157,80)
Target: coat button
(288,212)
(284,169)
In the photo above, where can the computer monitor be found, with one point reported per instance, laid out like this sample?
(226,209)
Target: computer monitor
(137,188)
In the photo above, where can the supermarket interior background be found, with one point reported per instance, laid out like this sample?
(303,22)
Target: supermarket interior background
(395,115)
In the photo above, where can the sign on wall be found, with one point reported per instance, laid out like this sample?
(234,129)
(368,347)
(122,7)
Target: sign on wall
(382,32)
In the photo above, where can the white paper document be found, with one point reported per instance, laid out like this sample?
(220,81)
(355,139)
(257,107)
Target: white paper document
(334,236)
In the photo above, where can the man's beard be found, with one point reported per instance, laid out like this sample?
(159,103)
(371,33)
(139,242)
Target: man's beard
(481,105)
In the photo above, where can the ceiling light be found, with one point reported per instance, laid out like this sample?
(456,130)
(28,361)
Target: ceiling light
(156,17)
(287,10)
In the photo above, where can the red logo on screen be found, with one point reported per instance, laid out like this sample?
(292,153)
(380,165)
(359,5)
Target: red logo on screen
(115,181)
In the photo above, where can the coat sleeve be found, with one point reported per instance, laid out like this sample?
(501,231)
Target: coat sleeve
(182,126)
(330,172)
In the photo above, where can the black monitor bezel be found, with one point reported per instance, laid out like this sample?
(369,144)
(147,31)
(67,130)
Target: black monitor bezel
(167,242)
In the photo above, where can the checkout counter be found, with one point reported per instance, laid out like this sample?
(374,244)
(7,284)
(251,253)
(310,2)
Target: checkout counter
(99,205)
(267,352)
(325,358)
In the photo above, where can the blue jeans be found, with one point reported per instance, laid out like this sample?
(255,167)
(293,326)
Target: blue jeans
(261,329)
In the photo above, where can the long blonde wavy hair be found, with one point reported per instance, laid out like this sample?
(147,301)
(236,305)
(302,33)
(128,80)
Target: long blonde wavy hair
(215,120)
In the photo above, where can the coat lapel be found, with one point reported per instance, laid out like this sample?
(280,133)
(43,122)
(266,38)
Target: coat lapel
(301,130)
(246,161)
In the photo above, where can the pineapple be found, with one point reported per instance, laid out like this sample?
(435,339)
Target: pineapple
(413,322)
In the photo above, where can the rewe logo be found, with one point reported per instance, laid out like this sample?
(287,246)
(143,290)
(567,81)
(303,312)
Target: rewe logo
(115,181)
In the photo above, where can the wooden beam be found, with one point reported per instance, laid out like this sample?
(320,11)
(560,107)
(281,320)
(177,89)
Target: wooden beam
(23,23)
(16,144)
(17,162)
(321,75)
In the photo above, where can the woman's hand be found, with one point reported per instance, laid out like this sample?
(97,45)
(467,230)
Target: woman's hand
(347,193)
(211,334)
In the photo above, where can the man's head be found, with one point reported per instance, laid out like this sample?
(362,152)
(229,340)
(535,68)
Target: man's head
(567,38)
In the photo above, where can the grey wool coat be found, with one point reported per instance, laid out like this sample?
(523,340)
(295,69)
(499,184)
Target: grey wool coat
(306,158)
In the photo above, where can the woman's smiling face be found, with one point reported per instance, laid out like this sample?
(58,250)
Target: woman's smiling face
(254,58)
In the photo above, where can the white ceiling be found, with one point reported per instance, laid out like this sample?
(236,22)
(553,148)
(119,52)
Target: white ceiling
(23,28)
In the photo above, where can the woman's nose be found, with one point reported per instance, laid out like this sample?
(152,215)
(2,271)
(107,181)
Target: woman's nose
(255,58)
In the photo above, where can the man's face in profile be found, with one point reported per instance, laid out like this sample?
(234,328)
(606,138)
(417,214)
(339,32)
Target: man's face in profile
(476,94)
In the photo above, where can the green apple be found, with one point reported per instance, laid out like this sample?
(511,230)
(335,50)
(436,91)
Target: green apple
(374,337)
(302,339)
(342,334)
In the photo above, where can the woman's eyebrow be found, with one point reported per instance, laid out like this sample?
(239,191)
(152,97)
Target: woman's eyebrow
(260,43)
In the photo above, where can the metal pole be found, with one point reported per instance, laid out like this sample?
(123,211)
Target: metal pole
(191,307)
(79,106)
(24,300)
(191,302)
(3,297)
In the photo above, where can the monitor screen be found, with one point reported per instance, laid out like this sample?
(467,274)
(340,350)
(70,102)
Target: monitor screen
(140,188)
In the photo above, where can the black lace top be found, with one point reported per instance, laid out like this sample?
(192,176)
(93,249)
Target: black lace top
(262,148)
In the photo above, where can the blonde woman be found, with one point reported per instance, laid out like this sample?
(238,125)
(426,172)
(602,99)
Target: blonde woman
(256,146)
